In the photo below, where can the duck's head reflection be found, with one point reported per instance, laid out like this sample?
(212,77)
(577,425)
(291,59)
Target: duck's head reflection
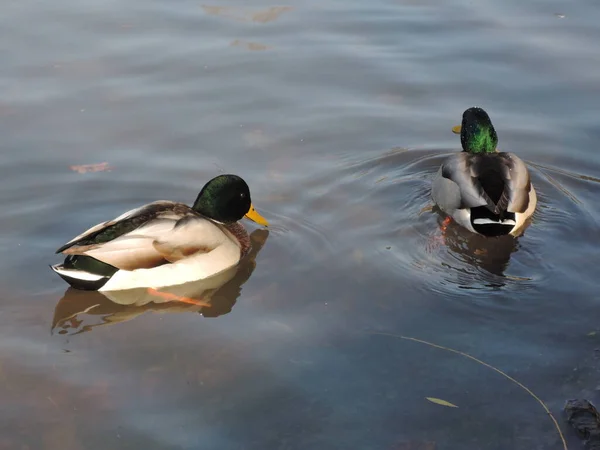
(80,311)
(491,254)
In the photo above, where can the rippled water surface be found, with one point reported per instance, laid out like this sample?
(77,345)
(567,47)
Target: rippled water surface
(337,114)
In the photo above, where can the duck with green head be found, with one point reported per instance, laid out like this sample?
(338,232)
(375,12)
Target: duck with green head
(484,190)
(164,243)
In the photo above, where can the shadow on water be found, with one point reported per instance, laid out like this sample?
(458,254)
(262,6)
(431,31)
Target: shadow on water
(491,255)
(80,311)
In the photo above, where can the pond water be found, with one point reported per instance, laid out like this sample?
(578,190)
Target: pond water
(337,114)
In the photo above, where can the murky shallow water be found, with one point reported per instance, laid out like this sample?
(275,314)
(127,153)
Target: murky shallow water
(337,114)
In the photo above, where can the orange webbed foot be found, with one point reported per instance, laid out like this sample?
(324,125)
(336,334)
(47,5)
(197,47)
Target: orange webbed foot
(177,298)
(436,241)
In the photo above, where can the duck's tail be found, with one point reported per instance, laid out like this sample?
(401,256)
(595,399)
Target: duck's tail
(488,223)
(84,272)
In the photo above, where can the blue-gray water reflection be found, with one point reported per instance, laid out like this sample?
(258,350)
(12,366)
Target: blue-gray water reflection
(337,115)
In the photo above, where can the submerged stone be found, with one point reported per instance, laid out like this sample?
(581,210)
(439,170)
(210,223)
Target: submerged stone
(584,417)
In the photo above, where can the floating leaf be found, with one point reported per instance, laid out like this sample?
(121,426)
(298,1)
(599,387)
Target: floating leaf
(456,129)
(439,401)
(222,11)
(270,14)
(592,333)
(84,168)
(357,256)
(242,15)
(428,208)
(252,46)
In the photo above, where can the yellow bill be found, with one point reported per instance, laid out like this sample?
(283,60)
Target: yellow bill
(254,216)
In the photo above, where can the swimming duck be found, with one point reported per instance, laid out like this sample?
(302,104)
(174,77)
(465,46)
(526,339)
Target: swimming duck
(164,243)
(484,190)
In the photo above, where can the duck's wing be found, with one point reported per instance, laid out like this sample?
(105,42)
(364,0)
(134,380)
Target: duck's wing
(497,181)
(517,183)
(126,223)
(142,238)
(167,237)
(459,183)
(505,180)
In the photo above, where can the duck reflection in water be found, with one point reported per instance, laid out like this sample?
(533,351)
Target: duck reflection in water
(491,254)
(80,311)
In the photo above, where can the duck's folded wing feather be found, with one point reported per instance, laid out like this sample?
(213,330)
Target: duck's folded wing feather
(190,235)
(173,252)
(160,241)
(128,253)
(124,224)
(97,229)
(463,170)
(518,183)
(131,251)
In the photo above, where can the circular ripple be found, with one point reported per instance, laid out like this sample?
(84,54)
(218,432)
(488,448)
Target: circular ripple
(390,223)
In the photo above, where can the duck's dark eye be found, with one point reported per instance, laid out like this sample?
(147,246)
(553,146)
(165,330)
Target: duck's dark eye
(242,195)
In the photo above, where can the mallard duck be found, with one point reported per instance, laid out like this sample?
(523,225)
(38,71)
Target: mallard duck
(484,190)
(164,243)
(81,311)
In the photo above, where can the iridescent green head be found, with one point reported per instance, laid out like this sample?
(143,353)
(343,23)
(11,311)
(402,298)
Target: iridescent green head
(477,134)
(226,199)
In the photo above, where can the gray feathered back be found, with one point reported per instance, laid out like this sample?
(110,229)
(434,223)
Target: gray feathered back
(483,176)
